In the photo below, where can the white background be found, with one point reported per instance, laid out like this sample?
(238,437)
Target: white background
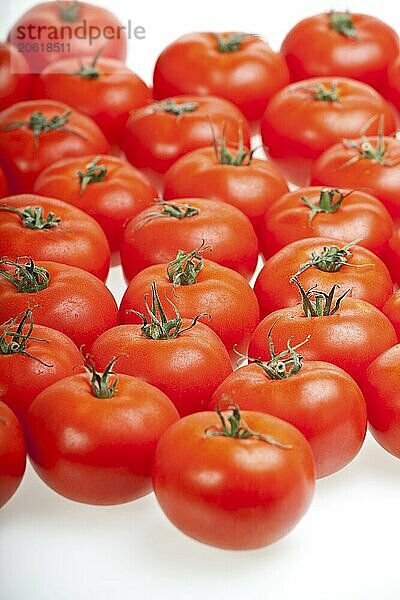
(346,547)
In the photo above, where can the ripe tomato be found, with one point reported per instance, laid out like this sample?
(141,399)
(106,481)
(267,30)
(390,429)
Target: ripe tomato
(235,481)
(35,134)
(92,437)
(321,263)
(391,309)
(227,174)
(102,88)
(15,78)
(183,358)
(32,357)
(78,27)
(120,191)
(50,229)
(392,257)
(392,88)
(340,43)
(371,163)
(325,212)
(157,135)
(155,235)
(12,453)
(347,332)
(381,388)
(71,300)
(199,286)
(320,112)
(3,184)
(241,68)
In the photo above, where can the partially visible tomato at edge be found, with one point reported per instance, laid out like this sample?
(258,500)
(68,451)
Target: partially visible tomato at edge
(12,453)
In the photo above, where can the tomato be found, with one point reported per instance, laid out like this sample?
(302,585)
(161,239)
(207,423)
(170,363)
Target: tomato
(35,134)
(391,309)
(321,262)
(74,28)
(185,359)
(371,163)
(235,481)
(119,191)
(155,235)
(102,88)
(92,437)
(227,174)
(320,112)
(157,135)
(326,212)
(392,257)
(15,78)
(50,229)
(392,88)
(197,286)
(32,357)
(71,300)
(241,68)
(3,184)
(340,43)
(381,388)
(12,453)
(318,398)
(347,332)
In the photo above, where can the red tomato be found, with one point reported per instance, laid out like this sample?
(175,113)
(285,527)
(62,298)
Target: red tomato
(71,300)
(322,263)
(381,388)
(102,88)
(183,358)
(48,229)
(3,184)
(241,68)
(370,163)
(230,175)
(326,212)
(392,89)
(392,257)
(76,27)
(199,286)
(340,43)
(155,235)
(320,112)
(12,454)
(15,78)
(157,135)
(93,439)
(120,191)
(391,309)
(32,357)
(35,134)
(238,485)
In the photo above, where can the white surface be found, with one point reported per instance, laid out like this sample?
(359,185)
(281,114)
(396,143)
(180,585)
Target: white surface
(346,547)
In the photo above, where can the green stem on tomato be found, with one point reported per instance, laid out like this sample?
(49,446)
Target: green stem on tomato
(326,203)
(28,278)
(166,210)
(323,304)
(331,259)
(102,386)
(32,217)
(69,12)
(94,173)
(233,43)
(40,124)
(178,110)
(184,269)
(13,340)
(342,23)
(89,71)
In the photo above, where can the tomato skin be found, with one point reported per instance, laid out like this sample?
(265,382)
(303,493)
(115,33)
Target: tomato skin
(247,77)
(94,450)
(15,78)
(232,493)
(333,168)
(79,241)
(22,161)
(312,48)
(311,126)
(392,257)
(391,309)
(76,303)
(12,454)
(274,289)
(188,368)
(199,173)
(322,401)
(218,291)
(3,184)
(155,139)
(222,226)
(381,389)
(107,99)
(48,15)
(392,89)
(359,216)
(350,339)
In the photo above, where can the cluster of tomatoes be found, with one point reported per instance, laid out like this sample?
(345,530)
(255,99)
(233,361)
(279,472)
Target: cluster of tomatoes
(228,400)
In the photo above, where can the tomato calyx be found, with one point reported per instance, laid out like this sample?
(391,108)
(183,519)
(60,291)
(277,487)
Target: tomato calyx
(323,304)
(18,342)
(322,93)
(168,210)
(326,203)
(101,383)
(183,270)
(89,71)
(69,12)
(233,427)
(226,157)
(331,259)
(28,278)
(32,217)
(366,149)
(233,43)
(94,173)
(178,110)
(39,124)
(342,23)
(159,327)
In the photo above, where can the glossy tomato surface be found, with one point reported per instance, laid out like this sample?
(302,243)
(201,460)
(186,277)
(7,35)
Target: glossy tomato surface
(15,78)
(12,453)
(391,309)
